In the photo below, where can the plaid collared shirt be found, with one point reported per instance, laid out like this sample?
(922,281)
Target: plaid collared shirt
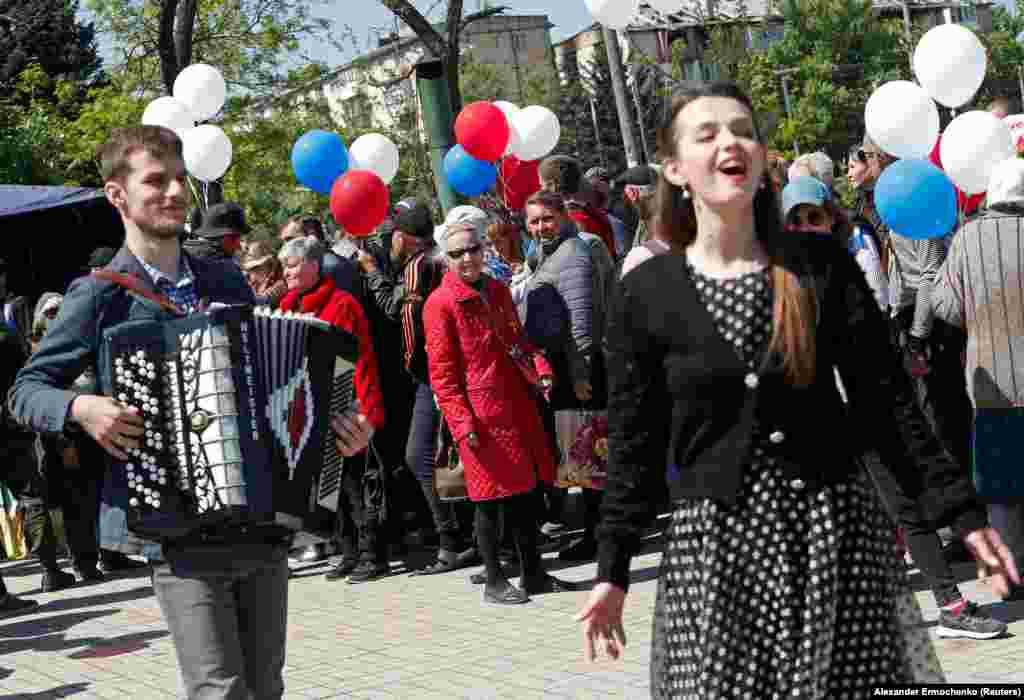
(181,293)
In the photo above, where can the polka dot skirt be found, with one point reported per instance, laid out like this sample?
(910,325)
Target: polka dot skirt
(788,593)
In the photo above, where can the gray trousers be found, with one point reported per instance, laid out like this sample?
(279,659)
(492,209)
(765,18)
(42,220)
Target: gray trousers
(227,610)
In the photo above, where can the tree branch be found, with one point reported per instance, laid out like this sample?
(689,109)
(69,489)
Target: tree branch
(404,10)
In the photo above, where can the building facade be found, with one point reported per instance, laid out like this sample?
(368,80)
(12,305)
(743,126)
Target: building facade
(654,34)
(378,89)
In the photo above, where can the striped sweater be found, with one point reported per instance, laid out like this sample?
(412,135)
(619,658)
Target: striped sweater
(981,288)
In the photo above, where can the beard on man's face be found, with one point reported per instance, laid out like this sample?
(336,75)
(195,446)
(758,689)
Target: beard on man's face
(164,232)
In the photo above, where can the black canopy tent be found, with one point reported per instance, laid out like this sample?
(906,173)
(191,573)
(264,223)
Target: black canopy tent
(49,232)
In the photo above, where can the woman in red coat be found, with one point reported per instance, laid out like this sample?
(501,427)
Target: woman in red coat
(310,292)
(472,328)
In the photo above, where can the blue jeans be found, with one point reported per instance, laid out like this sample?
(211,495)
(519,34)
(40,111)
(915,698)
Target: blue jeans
(420,455)
(227,610)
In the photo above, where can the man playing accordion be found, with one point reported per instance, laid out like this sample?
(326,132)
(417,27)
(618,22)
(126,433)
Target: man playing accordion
(224,598)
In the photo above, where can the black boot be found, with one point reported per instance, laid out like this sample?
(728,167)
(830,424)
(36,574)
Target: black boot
(57,580)
(504,593)
(342,570)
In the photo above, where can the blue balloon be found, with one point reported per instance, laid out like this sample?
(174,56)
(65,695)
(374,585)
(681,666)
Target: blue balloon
(916,199)
(318,159)
(467,175)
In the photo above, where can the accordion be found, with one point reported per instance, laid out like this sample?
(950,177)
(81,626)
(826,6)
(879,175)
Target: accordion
(237,404)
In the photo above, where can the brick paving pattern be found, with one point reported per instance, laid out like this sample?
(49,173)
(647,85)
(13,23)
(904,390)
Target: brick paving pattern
(423,638)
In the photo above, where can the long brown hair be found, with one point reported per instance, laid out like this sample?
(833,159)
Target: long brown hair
(795,306)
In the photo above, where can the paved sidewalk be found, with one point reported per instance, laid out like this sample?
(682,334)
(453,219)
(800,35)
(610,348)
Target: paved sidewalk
(423,638)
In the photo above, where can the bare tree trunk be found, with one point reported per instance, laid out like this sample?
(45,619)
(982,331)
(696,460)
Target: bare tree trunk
(451,57)
(184,26)
(169,67)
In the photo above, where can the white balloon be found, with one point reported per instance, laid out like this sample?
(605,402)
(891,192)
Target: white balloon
(207,151)
(666,7)
(202,89)
(902,119)
(376,153)
(537,130)
(169,112)
(972,146)
(950,62)
(510,110)
(614,14)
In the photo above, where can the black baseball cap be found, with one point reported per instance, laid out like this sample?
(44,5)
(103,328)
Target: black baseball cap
(413,218)
(222,219)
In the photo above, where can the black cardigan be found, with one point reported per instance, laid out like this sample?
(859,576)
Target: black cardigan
(679,393)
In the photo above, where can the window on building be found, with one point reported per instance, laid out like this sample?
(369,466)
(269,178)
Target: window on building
(968,12)
(358,112)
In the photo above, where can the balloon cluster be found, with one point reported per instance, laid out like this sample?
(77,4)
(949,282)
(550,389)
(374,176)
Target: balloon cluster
(199,93)
(488,132)
(917,197)
(356,177)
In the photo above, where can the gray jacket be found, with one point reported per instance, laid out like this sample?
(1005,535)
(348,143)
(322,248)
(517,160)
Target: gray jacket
(559,307)
(981,288)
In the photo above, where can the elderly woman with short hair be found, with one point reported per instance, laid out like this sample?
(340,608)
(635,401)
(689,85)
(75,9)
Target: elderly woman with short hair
(312,292)
(473,339)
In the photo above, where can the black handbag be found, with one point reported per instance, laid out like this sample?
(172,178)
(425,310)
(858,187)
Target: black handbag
(449,474)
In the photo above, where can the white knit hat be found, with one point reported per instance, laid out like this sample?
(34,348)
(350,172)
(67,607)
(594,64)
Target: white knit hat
(462,217)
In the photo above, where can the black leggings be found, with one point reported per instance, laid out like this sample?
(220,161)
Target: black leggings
(520,521)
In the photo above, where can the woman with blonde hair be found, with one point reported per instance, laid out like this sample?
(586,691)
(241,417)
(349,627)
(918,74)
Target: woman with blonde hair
(779,576)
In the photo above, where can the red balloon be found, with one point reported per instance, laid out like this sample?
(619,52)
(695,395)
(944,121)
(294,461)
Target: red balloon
(968,204)
(359,202)
(483,131)
(519,179)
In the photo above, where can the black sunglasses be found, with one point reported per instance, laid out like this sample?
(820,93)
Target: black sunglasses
(458,254)
(863,156)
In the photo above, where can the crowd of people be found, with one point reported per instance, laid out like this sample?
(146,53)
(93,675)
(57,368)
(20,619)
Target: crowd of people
(797,376)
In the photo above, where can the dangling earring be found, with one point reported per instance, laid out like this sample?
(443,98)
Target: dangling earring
(686,192)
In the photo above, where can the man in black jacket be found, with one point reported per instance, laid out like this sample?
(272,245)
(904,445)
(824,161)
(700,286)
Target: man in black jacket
(398,282)
(219,235)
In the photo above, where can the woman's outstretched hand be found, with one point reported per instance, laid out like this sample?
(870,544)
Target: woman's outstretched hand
(602,621)
(994,559)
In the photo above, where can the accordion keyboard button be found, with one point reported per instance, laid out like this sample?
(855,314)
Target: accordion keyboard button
(133,502)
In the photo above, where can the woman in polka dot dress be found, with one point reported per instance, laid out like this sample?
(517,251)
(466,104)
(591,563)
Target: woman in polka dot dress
(780,577)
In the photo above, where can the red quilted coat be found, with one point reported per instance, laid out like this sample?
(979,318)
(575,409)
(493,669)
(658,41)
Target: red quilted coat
(480,390)
(341,309)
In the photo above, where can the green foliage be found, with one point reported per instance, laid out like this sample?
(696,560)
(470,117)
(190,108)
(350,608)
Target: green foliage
(261,174)
(44,35)
(1005,56)
(837,52)
(253,43)
(591,92)
(486,81)
(25,146)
